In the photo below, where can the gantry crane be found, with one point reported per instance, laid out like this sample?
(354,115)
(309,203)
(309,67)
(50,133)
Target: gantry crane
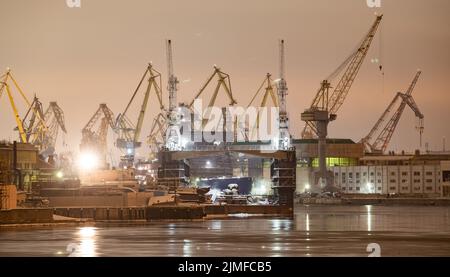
(324,101)
(325,105)
(25,135)
(130,132)
(382,141)
(95,140)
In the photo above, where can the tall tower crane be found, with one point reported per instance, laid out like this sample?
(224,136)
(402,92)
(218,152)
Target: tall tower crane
(382,141)
(129,132)
(325,105)
(95,140)
(173,141)
(324,101)
(284,140)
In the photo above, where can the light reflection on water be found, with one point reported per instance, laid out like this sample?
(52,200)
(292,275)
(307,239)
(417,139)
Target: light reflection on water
(315,231)
(87,242)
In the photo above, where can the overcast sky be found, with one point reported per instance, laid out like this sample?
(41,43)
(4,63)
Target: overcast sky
(81,57)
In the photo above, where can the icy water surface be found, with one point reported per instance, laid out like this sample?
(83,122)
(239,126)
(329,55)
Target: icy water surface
(315,231)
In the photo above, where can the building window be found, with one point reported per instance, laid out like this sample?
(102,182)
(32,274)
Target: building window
(357,188)
(336,174)
(350,188)
(393,173)
(416,188)
(392,188)
(357,181)
(393,181)
(357,174)
(371,181)
(364,174)
(404,173)
(446,176)
(378,174)
(404,188)
(429,188)
(429,180)
(379,188)
(379,181)
(416,180)
(416,173)
(404,181)
(429,173)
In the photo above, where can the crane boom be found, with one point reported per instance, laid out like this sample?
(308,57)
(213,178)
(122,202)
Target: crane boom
(332,103)
(340,92)
(129,133)
(382,141)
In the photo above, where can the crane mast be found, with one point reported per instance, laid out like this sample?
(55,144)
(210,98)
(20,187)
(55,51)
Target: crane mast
(284,136)
(173,142)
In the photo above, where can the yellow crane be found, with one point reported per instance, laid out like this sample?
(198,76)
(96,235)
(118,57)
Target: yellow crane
(6,86)
(269,94)
(129,133)
(43,134)
(331,101)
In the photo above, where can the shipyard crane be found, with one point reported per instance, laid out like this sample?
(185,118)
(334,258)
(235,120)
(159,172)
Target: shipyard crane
(173,136)
(284,139)
(157,136)
(382,141)
(43,134)
(21,127)
(269,94)
(31,125)
(324,101)
(326,104)
(94,141)
(223,81)
(130,132)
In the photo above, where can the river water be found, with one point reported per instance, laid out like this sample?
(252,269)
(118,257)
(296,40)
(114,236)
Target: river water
(315,231)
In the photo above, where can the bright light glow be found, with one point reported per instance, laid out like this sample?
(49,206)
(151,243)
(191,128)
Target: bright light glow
(307,187)
(260,187)
(208,164)
(60,174)
(87,246)
(129,151)
(88,161)
(184,142)
(87,232)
